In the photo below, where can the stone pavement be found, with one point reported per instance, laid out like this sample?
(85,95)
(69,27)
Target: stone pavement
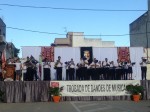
(80,106)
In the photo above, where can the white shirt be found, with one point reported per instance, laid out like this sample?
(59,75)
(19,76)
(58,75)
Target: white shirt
(18,66)
(143,64)
(59,65)
(46,65)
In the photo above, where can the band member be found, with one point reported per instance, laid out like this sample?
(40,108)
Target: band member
(58,66)
(24,70)
(100,70)
(83,69)
(130,70)
(71,69)
(111,75)
(125,71)
(67,70)
(118,70)
(78,71)
(105,65)
(18,69)
(94,69)
(46,67)
(143,68)
(30,65)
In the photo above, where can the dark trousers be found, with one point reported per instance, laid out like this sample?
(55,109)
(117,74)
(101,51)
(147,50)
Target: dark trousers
(77,74)
(83,73)
(29,74)
(118,74)
(144,71)
(47,74)
(59,73)
(111,75)
(71,73)
(106,72)
(67,74)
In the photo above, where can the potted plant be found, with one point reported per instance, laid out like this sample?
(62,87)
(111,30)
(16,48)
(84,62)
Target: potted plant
(136,91)
(55,92)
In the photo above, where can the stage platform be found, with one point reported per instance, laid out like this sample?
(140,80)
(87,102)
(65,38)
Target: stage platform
(37,91)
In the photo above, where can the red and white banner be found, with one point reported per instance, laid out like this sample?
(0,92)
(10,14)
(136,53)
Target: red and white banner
(94,88)
(48,52)
(123,54)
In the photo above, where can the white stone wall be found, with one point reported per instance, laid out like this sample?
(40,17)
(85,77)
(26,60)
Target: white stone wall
(78,40)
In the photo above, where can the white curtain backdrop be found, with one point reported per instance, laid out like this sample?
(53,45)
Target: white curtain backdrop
(35,51)
(135,55)
(67,53)
(102,53)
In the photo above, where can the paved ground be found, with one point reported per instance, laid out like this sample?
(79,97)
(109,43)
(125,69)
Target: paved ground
(90,106)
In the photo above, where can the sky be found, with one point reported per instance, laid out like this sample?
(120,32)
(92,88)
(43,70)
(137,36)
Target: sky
(62,21)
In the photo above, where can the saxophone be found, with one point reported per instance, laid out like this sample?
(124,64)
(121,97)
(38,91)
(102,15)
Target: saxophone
(57,62)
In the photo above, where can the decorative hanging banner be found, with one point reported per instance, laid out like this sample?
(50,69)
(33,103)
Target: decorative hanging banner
(86,53)
(94,88)
(123,54)
(47,52)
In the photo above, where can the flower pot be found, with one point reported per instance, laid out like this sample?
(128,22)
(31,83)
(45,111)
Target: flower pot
(136,98)
(56,99)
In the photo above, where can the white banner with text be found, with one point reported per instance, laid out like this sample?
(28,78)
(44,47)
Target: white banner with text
(94,88)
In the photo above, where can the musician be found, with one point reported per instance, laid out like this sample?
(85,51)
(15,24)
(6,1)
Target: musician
(78,71)
(100,70)
(125,70)
(24,70)
(18,69)
(130,69)
(83,69)
(30,73)
(58,66)
(94,67)
(67,70)
(118,70)
(71,69)
(111,75)
(105,65)
(46,68)
(143,64)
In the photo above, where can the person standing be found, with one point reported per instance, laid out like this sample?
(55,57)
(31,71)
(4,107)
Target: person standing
(46,69)
(18,69)
(71,69)
(143,68)
(24,70)
(29,74)
(58,66)
(106,65)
